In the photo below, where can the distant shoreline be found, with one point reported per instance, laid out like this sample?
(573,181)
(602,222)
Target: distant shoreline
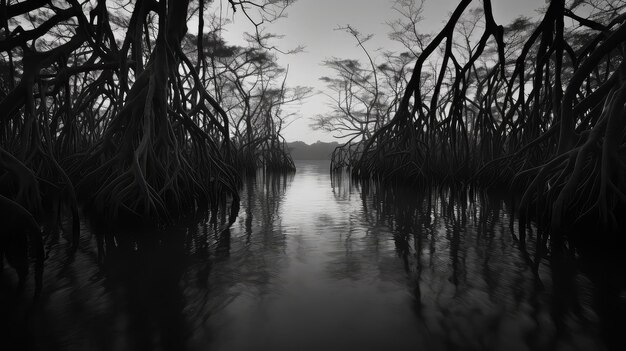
(300,150)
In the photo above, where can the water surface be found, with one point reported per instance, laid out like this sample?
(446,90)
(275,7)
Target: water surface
(314,264)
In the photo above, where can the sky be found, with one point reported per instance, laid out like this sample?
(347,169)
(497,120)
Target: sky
(312,23)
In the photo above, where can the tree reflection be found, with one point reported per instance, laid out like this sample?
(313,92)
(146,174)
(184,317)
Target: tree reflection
(474,282)
(239,262)
(151,289)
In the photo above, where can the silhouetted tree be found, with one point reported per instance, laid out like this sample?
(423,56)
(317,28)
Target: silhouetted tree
(534,105)
(104,98)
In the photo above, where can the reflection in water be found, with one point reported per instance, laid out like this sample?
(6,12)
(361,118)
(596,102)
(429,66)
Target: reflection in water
(315,265)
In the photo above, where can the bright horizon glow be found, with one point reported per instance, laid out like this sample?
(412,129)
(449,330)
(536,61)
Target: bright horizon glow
(312,23)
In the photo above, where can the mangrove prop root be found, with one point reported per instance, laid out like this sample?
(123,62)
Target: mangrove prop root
(550,121)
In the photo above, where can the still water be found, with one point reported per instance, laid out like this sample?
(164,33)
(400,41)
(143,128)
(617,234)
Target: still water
(314,264)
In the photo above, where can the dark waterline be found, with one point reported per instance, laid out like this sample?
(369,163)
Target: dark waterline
(311,265)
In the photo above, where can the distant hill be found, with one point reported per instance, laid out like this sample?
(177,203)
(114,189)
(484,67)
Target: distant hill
(318,151)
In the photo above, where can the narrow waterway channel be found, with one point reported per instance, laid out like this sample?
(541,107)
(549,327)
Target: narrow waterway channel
(312,264)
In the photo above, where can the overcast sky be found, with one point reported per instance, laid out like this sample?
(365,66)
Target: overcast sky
(311,23)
